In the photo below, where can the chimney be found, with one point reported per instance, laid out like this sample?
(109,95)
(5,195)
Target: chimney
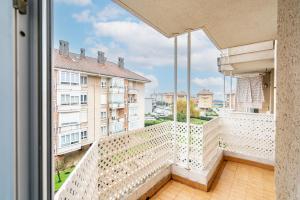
(82,53)
(63,48)
(121,62)
(101,58)
(66,50)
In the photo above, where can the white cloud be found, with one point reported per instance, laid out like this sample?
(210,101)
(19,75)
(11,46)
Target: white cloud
(208,82)
(110,12)
(83,16)
(75,2)
(142,46)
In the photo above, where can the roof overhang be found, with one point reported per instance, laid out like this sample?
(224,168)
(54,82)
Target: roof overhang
(228,23)
(254,58)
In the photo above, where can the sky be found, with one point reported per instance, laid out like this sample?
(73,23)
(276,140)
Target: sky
(103,25)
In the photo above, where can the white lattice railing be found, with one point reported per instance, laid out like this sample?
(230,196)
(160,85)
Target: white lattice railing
(116,165)
(249,134)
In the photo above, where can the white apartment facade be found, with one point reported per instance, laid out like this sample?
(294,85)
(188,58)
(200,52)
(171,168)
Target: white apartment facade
(92,98)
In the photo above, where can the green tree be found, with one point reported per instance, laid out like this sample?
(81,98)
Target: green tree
(181,108)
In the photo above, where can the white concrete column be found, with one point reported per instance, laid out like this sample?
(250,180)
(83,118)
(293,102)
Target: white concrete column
(175,99)
(188,111)
(287,167)
(175,83)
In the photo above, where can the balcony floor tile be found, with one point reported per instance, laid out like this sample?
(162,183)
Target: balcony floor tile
(237,182)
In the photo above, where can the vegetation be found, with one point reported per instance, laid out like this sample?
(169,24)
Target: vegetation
(63,175)
(181,108)
(181,115)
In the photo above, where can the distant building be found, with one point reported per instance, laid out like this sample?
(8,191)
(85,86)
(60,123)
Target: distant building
(205,99)
(167,97)
(149,105)
(92,97)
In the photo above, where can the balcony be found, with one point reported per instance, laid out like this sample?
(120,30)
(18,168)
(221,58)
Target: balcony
(68,148)
(129,165)
(133,104)
(132,91)
(116,105)
(116,90)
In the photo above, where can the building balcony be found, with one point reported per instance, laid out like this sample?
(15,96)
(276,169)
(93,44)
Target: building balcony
(133,104)
(132,164)
(132,91)
(133,118)
(68,86)
(116,105)
(68,107)
(68,148)
(116,90)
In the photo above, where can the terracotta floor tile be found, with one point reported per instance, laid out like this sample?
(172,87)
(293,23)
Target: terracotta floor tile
(237,182)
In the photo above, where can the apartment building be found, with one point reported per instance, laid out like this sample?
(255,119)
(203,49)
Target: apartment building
(205,99)
(92,98)
(167,97)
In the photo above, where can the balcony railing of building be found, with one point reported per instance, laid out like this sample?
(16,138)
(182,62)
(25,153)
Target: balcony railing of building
(126,165)
(114,105)
(132,91)
(116,89)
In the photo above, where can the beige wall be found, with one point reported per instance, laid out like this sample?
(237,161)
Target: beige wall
(141,103)
(288,101)
(54,114)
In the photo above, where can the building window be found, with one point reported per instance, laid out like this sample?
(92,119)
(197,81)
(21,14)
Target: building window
(69,118)
(65,99)
(68,139)
(103,83)
(83,80)
(74,78)
(83,99)
(103,115)
(103,130)
(74,100)
(65,78)
(74,138)
(83,135)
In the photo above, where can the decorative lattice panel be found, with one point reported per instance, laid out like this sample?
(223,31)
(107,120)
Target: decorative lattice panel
(116,165)
(249,134)
(82,184)
(128,160)
(180,143)
(211,135)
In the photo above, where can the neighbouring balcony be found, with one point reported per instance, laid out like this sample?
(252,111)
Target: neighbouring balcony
(116,105)
(132,91)
(127,165)
(116,90)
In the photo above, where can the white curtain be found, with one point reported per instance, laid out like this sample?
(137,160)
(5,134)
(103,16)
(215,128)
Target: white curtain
(249,93)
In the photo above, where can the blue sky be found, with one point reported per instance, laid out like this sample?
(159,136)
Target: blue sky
(103,25)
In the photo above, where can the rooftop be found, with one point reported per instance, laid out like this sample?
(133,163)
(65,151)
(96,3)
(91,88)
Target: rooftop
(90,65)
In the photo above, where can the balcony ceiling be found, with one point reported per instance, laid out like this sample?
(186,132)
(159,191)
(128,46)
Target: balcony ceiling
(228,23)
